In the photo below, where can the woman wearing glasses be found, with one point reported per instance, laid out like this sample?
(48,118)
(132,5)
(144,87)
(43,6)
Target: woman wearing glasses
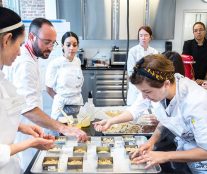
(197,48)
(64,78)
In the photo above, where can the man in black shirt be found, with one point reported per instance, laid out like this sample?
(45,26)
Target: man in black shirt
(198,49)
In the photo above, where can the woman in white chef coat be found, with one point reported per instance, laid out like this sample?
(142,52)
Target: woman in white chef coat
(135,54)
(11,37)
(64,78)
(180,106)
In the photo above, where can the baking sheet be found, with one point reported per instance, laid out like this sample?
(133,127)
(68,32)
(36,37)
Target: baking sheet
(121,162)
(128,128)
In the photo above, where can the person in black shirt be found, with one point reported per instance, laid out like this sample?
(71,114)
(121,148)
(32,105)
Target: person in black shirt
(197,48)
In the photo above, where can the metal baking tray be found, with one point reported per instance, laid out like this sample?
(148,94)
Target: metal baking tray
(130,129)
(121,161)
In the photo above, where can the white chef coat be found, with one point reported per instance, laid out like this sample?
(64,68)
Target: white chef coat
(11,105)
(24,74)
(66,79)
(135,54)
(185,116)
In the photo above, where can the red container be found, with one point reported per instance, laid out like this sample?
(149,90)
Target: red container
(188,65)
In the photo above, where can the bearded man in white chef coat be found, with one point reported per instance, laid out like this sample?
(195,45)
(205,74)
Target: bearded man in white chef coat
(25,75)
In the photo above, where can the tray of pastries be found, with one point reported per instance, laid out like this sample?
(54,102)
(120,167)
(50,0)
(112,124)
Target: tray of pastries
(93,157)
(129,128)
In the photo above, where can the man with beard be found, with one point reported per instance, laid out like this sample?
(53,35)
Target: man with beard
(25,75)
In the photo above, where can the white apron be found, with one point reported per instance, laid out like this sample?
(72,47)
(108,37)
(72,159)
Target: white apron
(70,77)
(9,119)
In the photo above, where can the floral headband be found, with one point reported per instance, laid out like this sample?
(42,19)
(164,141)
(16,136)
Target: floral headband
(154,74)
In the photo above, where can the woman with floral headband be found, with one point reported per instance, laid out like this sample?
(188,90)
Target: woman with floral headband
(180,107)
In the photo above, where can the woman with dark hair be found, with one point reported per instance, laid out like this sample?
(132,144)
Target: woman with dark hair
(64,78)
(11,37)
(135,54)
(177,61)
(180,106)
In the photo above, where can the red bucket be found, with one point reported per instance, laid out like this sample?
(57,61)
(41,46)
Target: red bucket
(188,66)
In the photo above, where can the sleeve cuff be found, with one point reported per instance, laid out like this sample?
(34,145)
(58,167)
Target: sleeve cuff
(5,152)
(28,109)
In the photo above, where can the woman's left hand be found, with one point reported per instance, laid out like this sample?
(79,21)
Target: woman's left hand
(33,130)
(44,143)
(151,158)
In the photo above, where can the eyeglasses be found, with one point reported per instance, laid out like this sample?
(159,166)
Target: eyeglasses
(48,42)
(198,30)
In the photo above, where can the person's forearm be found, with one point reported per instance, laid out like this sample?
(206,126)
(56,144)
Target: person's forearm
(196,154)
(37,116)
(21,126)
(156,135)
(126,116)
(18,147)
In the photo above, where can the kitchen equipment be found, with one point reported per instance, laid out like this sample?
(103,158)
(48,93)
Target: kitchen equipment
(81,56)
(118,57)
(188,62)
(108,85)
(98,63)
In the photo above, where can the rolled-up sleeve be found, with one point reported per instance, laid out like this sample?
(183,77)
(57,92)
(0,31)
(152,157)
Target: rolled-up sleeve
(4,154)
